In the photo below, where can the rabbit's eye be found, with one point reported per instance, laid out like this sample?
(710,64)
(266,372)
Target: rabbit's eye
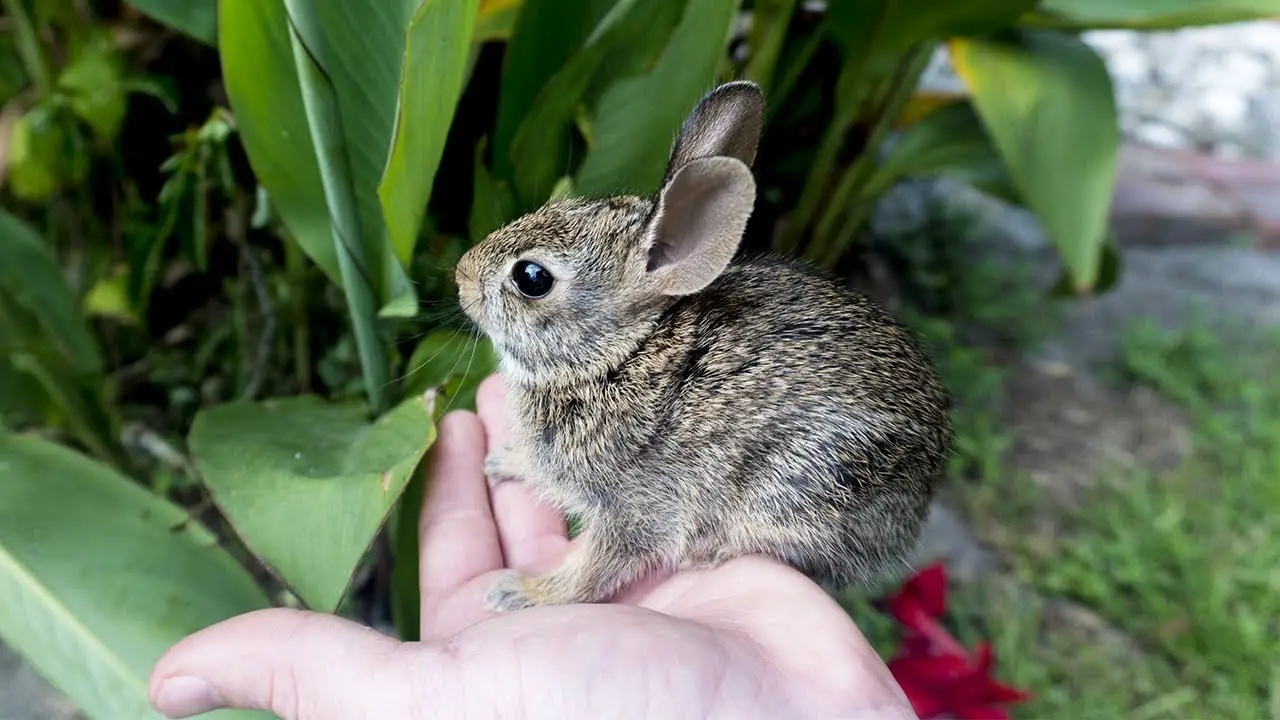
(531,279)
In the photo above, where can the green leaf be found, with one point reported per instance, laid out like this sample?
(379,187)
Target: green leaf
(18,396)
(949,141)
(1110,268)
(547,33)
(109,298)
(31,278)
(492,204)
(637,118)
(768,35)
(496,20)
(1148,14)
(93,80)
(359,49)
(307,484)
(265,95)
(46,153)
(876,34)
(356,50)
(357,258)
(435,64)
(98,577)
(197,18)
(628,40)
(452,361)
(1047,102)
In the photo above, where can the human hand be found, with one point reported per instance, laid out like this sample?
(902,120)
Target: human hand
(752,638)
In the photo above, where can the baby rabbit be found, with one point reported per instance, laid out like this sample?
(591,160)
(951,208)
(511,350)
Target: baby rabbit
(690,410)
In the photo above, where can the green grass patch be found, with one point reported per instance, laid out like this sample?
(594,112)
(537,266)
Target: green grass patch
(1158,594)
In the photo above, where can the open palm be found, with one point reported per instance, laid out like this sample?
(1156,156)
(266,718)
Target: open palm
(752,638)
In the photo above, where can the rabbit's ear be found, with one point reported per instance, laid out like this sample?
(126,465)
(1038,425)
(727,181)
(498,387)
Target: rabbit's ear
(698,224)
(726,123)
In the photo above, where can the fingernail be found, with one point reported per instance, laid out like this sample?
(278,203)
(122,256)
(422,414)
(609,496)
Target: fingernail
(184,696)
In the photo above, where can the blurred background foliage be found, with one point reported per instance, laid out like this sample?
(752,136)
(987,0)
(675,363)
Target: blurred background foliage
(227,318)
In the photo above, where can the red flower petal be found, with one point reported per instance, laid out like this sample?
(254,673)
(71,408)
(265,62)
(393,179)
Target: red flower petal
(913,644)
(937,671)
(924,702)
(980,712)
(998,692)
(929,587)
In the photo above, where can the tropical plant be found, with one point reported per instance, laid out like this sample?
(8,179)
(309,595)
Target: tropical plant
(359,150)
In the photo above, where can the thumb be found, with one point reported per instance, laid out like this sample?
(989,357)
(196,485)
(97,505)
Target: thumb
(298,665)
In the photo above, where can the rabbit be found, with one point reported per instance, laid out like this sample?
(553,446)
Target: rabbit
(689,408)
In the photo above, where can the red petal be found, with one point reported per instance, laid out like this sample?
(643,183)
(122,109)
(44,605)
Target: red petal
(914,644)
(937,671)
(910,613)
(980,712)
(997,692)
(985,659)
(925,703)
(941,641)
(929,587)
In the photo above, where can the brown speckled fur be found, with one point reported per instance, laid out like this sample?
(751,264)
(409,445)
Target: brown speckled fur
(772,412)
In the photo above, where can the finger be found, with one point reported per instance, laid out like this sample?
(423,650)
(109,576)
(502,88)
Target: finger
(295,664)
(533,534)
(459,538)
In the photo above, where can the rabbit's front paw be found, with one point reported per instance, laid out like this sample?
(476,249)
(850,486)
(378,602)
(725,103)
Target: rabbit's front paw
(502,464)
(509,593)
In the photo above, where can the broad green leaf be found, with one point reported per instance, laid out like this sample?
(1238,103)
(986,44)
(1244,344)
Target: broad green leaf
(435,64)
(876,34)
(109,298)
(197,18)
(1110,269)
(46,153)
(453,362)
(492,204)
(950,141)
(18,395)
(365,46)
(93,81)
(1047,102)
(307,484)
(262,85)
(98,577)
(547,33)
(1148,14)
(496,20)
(637,118)
(922,103)
(628,40)
(32,280)
(359,48)
(357,258)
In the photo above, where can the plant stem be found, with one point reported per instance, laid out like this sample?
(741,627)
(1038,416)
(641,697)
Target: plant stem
(792,72)
(28,47)
(768,31)
(811,196)
(825,245)
(362,306)
(296,269)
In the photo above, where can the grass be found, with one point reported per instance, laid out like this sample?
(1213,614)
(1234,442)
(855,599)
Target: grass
(1158,595)
(1154,594)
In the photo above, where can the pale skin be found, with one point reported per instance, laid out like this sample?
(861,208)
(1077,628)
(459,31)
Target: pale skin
(748,639)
